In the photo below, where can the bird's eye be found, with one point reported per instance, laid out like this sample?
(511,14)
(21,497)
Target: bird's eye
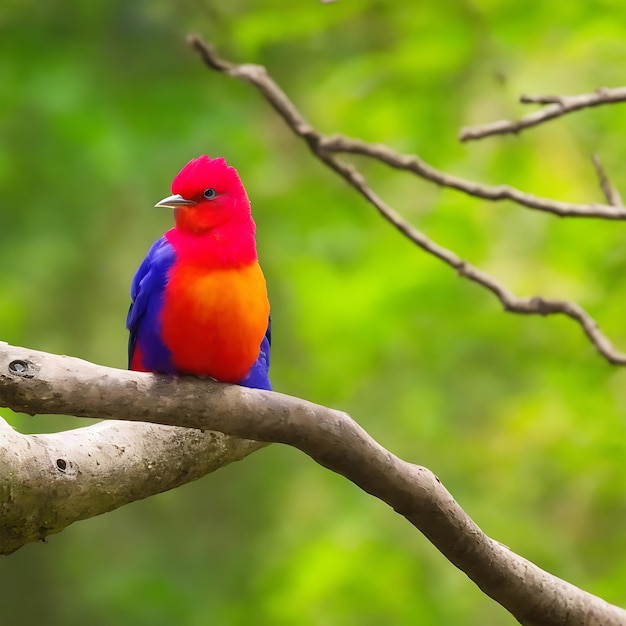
(210,193)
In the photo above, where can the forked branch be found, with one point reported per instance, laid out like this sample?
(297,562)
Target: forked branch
(557,106)
(37,382)
(325,147)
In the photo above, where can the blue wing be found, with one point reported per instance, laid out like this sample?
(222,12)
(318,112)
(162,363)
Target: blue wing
(258,376)
(146,350)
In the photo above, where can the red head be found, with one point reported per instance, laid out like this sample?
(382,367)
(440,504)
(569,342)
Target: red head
(208,193)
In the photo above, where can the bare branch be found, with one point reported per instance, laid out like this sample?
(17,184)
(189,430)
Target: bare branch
(557,106)
(47,482)
(412,163)
(257,75)
(323,146)
(37,382)
(611,194)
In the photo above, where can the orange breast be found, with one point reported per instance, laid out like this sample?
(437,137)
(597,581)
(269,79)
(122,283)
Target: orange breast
(213,321)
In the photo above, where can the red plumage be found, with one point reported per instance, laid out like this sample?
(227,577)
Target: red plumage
(200,303)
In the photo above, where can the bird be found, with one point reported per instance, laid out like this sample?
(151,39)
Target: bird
(199,303)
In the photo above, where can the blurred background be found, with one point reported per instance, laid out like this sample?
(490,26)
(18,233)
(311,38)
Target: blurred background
(101,103)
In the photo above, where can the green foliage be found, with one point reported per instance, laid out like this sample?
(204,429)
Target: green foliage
(102,103)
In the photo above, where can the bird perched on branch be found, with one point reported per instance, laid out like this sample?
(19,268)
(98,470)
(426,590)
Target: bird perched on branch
(199,300)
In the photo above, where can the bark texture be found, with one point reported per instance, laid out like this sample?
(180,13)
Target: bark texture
(47,482)
(85,472)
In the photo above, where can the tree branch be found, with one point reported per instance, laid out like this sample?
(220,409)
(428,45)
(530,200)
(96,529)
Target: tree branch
(557,106)
(37,382)
(611,194)
(323,147)
(49,481)
(415,165)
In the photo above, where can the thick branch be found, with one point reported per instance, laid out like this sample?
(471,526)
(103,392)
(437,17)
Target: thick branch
(35,382)
(47,482)
(50,481)
(323,148)
(557,106)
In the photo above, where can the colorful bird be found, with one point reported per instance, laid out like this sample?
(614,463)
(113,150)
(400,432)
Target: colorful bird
(199,300)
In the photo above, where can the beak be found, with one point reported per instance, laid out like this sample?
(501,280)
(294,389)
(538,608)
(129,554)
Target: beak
(174,202)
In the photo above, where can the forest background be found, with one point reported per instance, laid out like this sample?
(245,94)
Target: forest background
(101,103)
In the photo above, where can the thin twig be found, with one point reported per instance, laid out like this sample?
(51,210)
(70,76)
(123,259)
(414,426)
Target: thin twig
(557,106)
(323,146)
(412,163)
(610,192)
(257,75)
